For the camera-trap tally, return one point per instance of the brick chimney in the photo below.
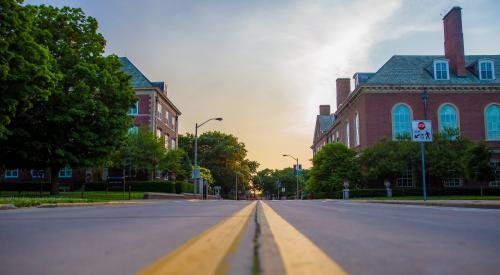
(343, 89)
(454, 40)
(324, 110)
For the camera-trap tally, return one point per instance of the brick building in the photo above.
(153, 109)
(464, 93)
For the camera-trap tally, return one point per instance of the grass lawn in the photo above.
(434, 198)
(27, 199)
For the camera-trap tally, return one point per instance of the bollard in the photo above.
(387, 184)
(345, 193)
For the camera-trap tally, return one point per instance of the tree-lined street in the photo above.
(361, 238)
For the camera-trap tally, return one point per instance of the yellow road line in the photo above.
(205, 253)
(299, 254)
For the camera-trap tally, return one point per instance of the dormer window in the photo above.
(441, 70)
(486, 71)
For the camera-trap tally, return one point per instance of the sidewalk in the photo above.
(489, 204)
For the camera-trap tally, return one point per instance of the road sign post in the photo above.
(422, 132)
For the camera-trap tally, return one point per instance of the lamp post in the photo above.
(425, 98)
(296, 174)
(196, 173)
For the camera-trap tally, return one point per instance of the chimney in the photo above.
(454, 41)
(324, 110)
(343, 89)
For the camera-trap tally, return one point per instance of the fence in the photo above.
(406, 192)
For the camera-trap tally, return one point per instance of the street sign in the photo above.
(297, 172)
(421, 130)
(195, 174)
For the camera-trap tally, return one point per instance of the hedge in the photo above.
(136, 186)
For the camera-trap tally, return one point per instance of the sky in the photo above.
(266, 66)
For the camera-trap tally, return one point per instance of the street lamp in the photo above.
(196, 171)
(296, 174)
(425, 98)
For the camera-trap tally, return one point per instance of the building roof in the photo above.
(325, 122)
(417, 69)
(138, 79)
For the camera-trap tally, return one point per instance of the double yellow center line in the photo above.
(205, 253)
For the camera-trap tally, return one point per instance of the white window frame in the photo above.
(347, 141)
(492, 69)
(457, 113)
(11, 173)
(496, 166)
(167, 121)
(394, 136)
(65, 172)
(133, 130)
(159, 111)
(172, 143)
(356, 129)
(452, 182)
(337, 136)
(130, 112)
(37, 174)
(441, 61)
(405, 181)
(487, 138)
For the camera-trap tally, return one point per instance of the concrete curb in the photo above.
(470, 204)
(7, 206)
(81, 204)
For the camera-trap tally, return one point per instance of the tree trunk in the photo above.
(54, 180)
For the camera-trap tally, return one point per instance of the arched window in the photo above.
(448, 118)
(401, 121)
(356, 129)
(493, 122)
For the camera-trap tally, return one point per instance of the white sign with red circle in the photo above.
(421, 130)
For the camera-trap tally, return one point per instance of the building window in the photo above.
(486, 70)
(172, 144)
(66, 172)
(134, 110)
(158, 133)
(37, 174)
(452, 182)
(401, 122)
(356, 129)
(133, 130)
(174, 122)
(405, 179)
(347, 141)
(167, 138)
(159, 112)
(448, 118)
(493, 122)
(167, 113)
(496, 172)
(11, 173)
(337, 137)
(441, 71)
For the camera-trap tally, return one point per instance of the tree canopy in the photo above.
(224, 156)
(27, 72)
(85, 115)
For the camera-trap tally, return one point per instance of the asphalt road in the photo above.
(361, 238)
(398, 239)
(101, 239)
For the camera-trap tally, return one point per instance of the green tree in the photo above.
(146, 152)
(224, 156)
(26, 67)
(386, 159)
(175, 164)
(333, 164)
(85, 117)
